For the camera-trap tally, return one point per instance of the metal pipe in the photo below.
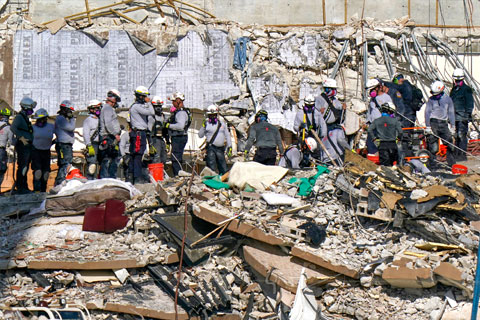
(365, 70)
(340, 59)
(345, 11)
(324, 13)
(409, 9)
(386, 56)
(436, 12)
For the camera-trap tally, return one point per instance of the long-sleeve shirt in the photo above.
(90, 125)
(21, 127)
(385, 128)
(124, 144)
(64, 129)
(327, 114)
(337, 137)
(264, 135)
(222, 137)
(291, 158)
(6, 135)
(396, 96)
(462, 97)
(139, 114)
(43, 136)
(156, 124)
(179, 123)
(108, 121)
(373, 112)
(440, 109)
(321, 126)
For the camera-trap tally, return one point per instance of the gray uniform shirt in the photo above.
(90, 125)
(294, 156)
(64, 129)
(43, 136)
(441, 109)
(337, 136)
(320, 103)
(264, 135)
(373, 112)
(124, 144)
(223, 134)
(319, 122)
(108, 121)
(6, 135)
(139, 114)
(178, 128)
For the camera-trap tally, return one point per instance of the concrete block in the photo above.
(403, 277)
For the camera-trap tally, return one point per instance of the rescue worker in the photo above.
(109, 136)
(409, 110)
(159, 134)
(177, 126)
(266, 138)
(124, 147)
(91, 137)
(140, 111)
(462, 97)
(64, 131)
(387, 130)
(23, 132)
(217, 136)
(328, 104)
(294, 156)
(41, 154)
(378, 97)
(6, 140)
(440, 120)
(335, 143)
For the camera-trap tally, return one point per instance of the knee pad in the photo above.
(46, 175)
(37, 175)
(92, 168)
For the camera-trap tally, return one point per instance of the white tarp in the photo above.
(254, 174)
(75, 186)
(305, 306)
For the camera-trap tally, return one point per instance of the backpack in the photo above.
(189, 118)
(417, 98)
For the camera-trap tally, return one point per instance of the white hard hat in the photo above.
(27, 103)
(458, 74)
(178, 95)
(157, 101)
(114, 93)
(389, 105)
(212, 109)
(311, 144)
(141, 90)
(437, 87)
(94, 103)
(310, 99)
(372, 83)
(329, 83)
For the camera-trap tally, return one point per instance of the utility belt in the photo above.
(106, 142)
(138, 130)
(267, 149)
(64, 143)
(438, 120)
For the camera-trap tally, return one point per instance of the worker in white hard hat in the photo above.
(386, 131)
(218, 140)
(108, 150)
(328, 104)
(335, 143)
(462, 97)
(309, 119)
(440, 119)
(91, 137)
(298, 156)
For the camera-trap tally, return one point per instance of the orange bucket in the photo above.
(156, 170)
(459, 169)
(373, 158)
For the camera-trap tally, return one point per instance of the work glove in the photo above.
(167, 147)
(10, 151)
(428, 130)
(354, 151)
(453, 131)
(310, 127)
(116, 147)
(167, 125)
(152, 150)
(229, 152)
(91, 150)
(245, 156)
(204, 123)
(303, 125)
(23, 140)
(376, 142)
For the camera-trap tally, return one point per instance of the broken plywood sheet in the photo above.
(449, 275)
(438, 191)
(315, 257)
(215, 216)
(391, 198)
(360, 162)
(282, 269)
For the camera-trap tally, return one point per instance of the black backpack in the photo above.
(417, 98)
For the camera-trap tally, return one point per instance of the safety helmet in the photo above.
(389, 106)
(40, 113)
(329, 83)
(115, 94)
(142, 91)
(311, 144)
(437, 87)
(27, 103)
(178, 95)
(156, 101)
(261, 114)
(67, 104)
(372, 83)
(94, 104)
(309, 99)
(212, 109)
(458, 74)
(5, 112)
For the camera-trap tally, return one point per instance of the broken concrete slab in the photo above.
(215, 216)
(281, 268)
(449, 275)
(403, 277)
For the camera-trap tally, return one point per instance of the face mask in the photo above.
(459, 83)
(40, 123)
(158, 110)
(330, 92)
(373, 94)
(212, 119)
(173, 109)
(308, 108)
(97, 113)
(29, 112)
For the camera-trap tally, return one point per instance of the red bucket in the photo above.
(156, 170)
(373, 158)
(459, 169)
